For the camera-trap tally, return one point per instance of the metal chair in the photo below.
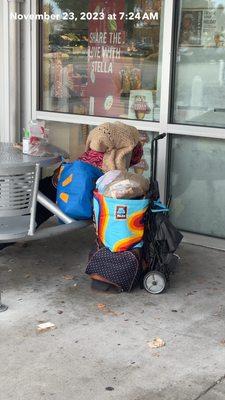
(18, 198)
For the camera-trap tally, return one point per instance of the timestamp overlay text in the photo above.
(87, 16)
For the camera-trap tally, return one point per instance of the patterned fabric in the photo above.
(121, 269)
(119, 222)
(93, 157)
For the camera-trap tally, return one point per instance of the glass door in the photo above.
(197, 185)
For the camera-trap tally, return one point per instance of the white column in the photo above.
(26, 66)
(4, 72)
(10, 46)
(14, 28)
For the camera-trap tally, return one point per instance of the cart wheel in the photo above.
(154, 282)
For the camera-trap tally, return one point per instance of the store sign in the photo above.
(103, 50)
(106, 38)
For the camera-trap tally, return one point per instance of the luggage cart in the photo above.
(161, 238)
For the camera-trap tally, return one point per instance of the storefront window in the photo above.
(100, 66)
(199, 97)
(197, 185)
(69, 137)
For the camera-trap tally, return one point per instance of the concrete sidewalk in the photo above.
(100, 349)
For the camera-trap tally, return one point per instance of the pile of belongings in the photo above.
(109, 146)
(120, 204)
(116, 143)
(100, 179)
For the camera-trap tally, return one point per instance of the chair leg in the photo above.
(2, 306)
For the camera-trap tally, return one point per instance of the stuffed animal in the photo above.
(117, 141)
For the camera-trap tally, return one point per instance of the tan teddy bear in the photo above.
(117, 141)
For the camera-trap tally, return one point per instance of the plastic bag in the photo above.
(127, 185)
(35, 141)
(106, 179)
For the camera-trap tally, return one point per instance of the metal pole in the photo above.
(42, 199)
(2, 306)
(165, 103)
(34, 201)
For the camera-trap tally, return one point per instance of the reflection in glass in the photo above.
(102, 67)
(144, 166)
(199, 97)
(197, 185)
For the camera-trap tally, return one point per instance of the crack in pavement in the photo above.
(210, 387)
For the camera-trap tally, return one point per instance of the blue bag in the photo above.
(75, 188)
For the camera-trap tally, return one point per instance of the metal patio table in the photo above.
(12, 156)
